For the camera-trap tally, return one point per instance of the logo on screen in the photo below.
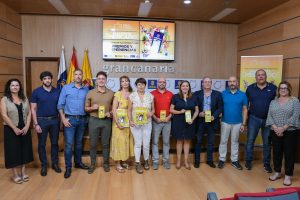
(152, 84)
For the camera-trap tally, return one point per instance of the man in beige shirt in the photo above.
(98, 104)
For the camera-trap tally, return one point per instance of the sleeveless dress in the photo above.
(121, 147)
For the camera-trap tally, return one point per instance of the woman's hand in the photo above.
(119, 125)
(25, 130)
(17, 131)
(131, 123)
(38, 129)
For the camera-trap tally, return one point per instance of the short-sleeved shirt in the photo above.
(260, 99)
(137, 102)
(233, 106)
(100, 98)
(72, 99)
(162, 101)
(46, 101)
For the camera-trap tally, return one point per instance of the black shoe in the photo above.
(196, 164)
(91, 168)
(211, 164)
(44, 171)
(81, 166)
(237, 165)
(221, 164)
(56, 168)
(68, 173)
(138, 168)
(106, 167)
(248, 165)
(268, 168)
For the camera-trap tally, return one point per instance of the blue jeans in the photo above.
(50, 126)
(74, 135)
(254, 124)
(157, 129)
(209, 129)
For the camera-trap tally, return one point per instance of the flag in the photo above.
(62, 71)
(73, 66)
(86, 69)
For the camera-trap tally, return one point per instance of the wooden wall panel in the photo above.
(10, 16)
(5, 78)
(10, 49)
(11, 66)
(291, 68)
(201, 48)
(10, 32)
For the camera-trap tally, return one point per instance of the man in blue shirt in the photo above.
(209, 102)
(233, 122)
(43, 103)
(71, 109)
(260, 95)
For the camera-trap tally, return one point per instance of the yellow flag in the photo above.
(86, 69)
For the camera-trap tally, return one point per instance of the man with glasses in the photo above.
(260, 94)
(161, 123)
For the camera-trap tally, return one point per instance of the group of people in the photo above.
(185, 115)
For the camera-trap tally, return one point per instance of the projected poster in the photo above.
(138, 40)
(120, 39)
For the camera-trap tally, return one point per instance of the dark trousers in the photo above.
(210, 130)
(284, 146)
(50, 126)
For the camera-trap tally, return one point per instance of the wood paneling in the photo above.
(10, 49)
(10, 32)
(202, 10)
(291, 68)
(10, 66)
(10, 16)
(201, 48)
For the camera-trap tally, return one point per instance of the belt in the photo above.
(48, 118)
(76, 116)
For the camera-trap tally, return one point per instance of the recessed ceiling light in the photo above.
(187, 1)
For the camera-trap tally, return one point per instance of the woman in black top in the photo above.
(16, 116)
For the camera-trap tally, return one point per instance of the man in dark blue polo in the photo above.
(210, 107)
(259, 94)
(71, 109)
(45, 120)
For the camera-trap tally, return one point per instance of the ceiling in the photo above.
(200, 10)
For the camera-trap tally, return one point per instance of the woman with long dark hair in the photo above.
(183, 106)
(121, 147)
(16, 116)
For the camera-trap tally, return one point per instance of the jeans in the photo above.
(284, 146)
(234, 131)
(142, 136)
(50, 126)
(165, 129)
(74, 135)
(97, 126)
(254, 124)
(209, 128)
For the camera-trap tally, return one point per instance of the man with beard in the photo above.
(161, 122)
(234, 120)
(45, 120)
(71, 109)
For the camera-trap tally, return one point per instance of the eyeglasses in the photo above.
(162, 81)
(283, 88)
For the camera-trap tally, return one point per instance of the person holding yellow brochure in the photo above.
(121, 147)
(140, 112)
(185, 110)
(98, 104)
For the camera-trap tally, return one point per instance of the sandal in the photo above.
(120, 169)
(125, 165)
(287, 181)
(187, 166)
(25, 177)
(17, 180)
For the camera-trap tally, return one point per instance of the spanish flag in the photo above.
(86, 69)
(73, 66)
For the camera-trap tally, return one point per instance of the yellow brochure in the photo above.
(207, 116)
(188, 116)
(140, 117)
(101, 112)
(163, 115)
(122, 117)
